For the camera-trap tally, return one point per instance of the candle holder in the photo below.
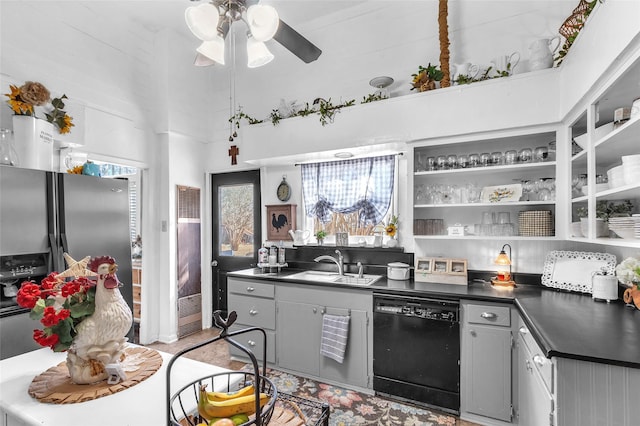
(504, 277)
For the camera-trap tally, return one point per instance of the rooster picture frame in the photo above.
(281, 218)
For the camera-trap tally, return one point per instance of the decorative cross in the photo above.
(233, 152)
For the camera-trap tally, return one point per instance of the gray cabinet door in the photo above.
(299, 331)
(354, 367)
(486, 360)
(535, 404)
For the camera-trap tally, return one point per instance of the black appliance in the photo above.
(45, 214)
(416, 350)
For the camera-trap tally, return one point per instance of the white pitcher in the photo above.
(541, 53)
(465, 68)
(299, 236)
(502, 62)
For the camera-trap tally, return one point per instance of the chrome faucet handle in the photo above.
(360, 270)
(339, 254)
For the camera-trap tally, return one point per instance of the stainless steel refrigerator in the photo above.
(45, 214)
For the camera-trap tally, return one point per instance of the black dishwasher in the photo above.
(416, 350)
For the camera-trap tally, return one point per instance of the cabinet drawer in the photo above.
(250, 288)
(254, 341)
(488, 315)
(254, 311)
(536, 358)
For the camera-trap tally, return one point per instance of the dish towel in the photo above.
(335, 333)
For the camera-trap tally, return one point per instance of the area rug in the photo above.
(349, 407)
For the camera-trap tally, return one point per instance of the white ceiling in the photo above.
(360, 40)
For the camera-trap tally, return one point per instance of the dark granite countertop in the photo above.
(566, 325)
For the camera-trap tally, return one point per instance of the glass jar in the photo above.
(511, 156)
(474, 160)
(525, 155)
(497, 158)
(8, 154)
(485, 159)
(541, 153)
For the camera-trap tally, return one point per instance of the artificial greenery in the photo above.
(320, 235)
(426, 77)
(572, 37)
(606, 210)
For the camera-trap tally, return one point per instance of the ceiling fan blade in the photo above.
(296, 43)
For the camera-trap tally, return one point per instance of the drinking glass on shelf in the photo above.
(497, 158)
(441, 162)
(431, 163)
(525, 155)
(488, 218)
(510, 156)
(452, 161)
(485, 159)
(473, 193)
(503, 218)
(420, 161)
(541, 153)
(474, 160)
(527, 189)
(463, 161)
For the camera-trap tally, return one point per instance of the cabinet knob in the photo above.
(539, 360)
(250, 289)
(473, 333)
(251, 343)
(488, 315)
(253, 312)
(523, 330)
(315, 310)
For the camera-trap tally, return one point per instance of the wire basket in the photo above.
(182, 406)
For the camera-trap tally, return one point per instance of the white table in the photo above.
(141, 405)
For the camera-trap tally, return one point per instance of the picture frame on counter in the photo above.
(441, 270)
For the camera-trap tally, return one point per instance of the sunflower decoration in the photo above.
(23, 100)
(391, 229)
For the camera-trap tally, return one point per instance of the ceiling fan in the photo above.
(211, 21)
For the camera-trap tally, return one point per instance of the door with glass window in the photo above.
(237, 234)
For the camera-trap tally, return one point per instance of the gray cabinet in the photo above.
(486, 342)
(299, 325)
(254, 303)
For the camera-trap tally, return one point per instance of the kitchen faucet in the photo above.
(339, 261)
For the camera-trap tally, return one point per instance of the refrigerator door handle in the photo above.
(54, 253)
(63, 242)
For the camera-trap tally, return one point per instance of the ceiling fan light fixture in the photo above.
(203, 61)
(257, 53)
(213, 49)
(202, 20)
(263, 21)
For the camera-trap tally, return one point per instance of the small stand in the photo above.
(277, 266)
(501, 283)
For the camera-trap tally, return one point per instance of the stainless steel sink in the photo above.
(333, 277)
(315, 276)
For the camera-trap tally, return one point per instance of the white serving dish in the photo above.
(626, 233)
(631, 173)
(398, 271)
(599, 133)
(599, 188)
(631, 159)
(615, 176)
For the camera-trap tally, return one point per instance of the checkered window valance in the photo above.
(364, 185)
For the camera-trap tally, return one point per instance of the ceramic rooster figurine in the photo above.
(101, 337)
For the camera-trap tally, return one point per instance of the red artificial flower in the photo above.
(50, 281)
(70, 288)
(28, 295)
(43, 340)
(50, 317)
